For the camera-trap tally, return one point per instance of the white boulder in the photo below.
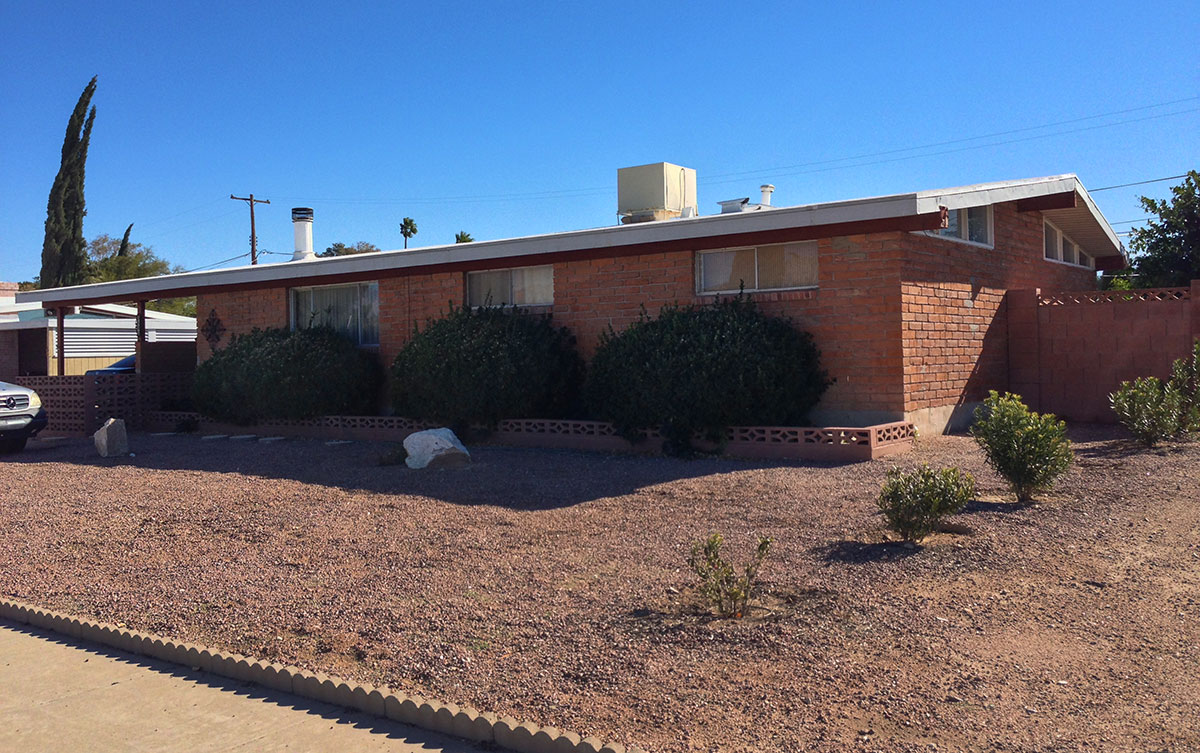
(111, 439)
(435, 448)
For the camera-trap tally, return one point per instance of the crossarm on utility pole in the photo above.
(253, 238)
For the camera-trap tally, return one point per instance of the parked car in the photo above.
(127, 365)
(21, 416)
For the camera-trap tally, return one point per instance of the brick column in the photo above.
(1024, 364)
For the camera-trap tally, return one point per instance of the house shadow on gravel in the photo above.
(514, 478)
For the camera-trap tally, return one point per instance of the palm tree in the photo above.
(462, 236)
(408, 228)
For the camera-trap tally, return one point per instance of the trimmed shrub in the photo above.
(1029, 450)
(1185, 379)
(915, 503)
(482, 365)
(280, 374)
(720, 586)
(702, 369)
(1152, 411)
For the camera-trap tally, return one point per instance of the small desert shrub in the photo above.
(1155, 411)
(274, 373)
(701, 369)
(915, 503)
(1029, 450)
(1185, 379)
(1151, 410)
(725, 590)
(482, 365)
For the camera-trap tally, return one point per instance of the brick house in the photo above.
(904, 294)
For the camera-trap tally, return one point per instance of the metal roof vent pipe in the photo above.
(302, 218)
(767, 189)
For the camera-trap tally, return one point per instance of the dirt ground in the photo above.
(552, 586)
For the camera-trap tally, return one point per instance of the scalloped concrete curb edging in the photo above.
(446, 718)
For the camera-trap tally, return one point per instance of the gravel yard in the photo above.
(552, 586)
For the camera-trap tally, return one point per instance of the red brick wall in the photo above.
(852, 315)
(240, 312)
(414, 300)
(955, 327)
(1066, 358)
(908, 324)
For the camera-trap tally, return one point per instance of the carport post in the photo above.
(61, 331)
(141, 336)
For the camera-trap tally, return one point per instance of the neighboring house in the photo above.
(904, 294)
(97, 335)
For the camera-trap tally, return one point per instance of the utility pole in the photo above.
(253, 238)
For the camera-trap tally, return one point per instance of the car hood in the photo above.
(14, 389)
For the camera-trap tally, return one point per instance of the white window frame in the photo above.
(699, 271)
(293, 315)
(1059, 248)
(510, 270)
(963, 230)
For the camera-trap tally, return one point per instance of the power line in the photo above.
(1138, 183)
(968, 138)
(774, 171)
(217, 263)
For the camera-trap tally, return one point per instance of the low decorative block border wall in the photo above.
(835, 444)
(446, 718)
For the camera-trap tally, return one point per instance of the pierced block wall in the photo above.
(1068, 351)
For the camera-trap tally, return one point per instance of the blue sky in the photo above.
(507, 119)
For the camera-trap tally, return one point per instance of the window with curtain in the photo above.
(973, 224)
(352, 310)
(777, 267)
(528, 286)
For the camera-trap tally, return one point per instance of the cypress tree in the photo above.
(64, 253)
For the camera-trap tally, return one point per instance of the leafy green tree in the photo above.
(462, 236)
(112, 259)
(1167, 250)
(64, 261)
(341, 249)
(408, 228)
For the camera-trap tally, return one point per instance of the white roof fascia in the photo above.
(997, 193)
(903, 205)
(711, 226)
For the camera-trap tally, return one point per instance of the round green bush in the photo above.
(701, 369)
(914, 503)
(279, 374)
(482, 365)
(1028, 450)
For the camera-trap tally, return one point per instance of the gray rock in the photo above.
(111, 439)
(435, 448)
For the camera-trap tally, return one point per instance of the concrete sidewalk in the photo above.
(58, 694)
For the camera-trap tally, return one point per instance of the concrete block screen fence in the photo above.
(1068, 351)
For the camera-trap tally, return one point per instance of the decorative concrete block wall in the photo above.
(1069, 351)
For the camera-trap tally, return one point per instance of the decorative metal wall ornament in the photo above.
(212, 329)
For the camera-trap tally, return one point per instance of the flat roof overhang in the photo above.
(652, 237)
(1061, 197)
